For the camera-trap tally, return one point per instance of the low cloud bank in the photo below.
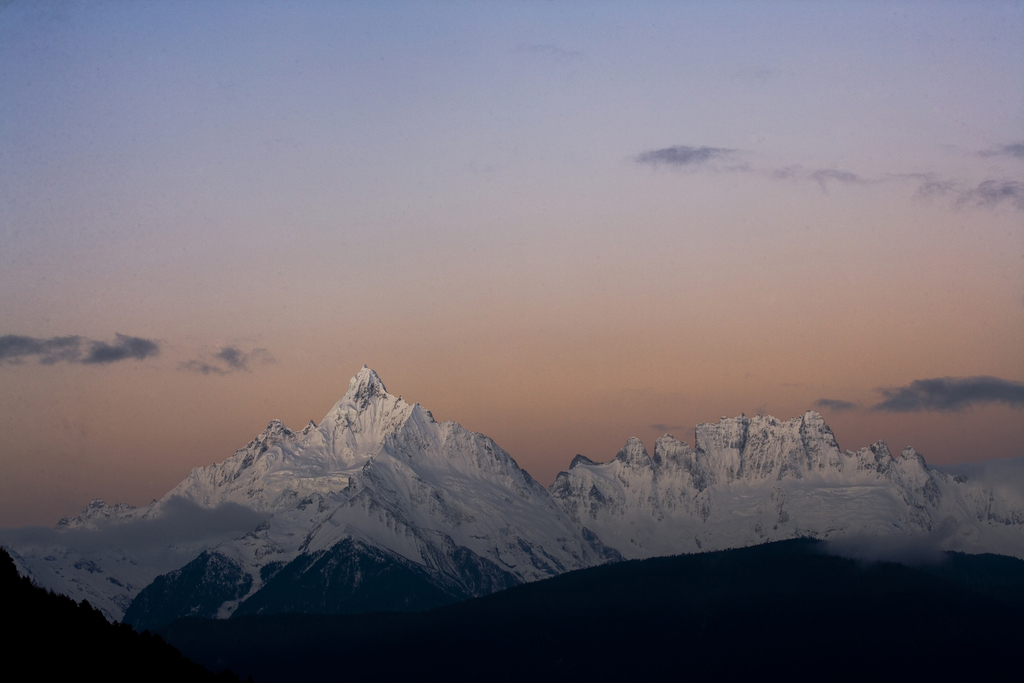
(180, 526)
(912, 551)
(1004, 477)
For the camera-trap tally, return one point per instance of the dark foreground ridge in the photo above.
(349, 578)
(51, 636)
(784, 608)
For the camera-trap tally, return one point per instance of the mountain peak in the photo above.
(364, 387)
(367, 409)
(634, 453)
(367, 383)
(581, 460)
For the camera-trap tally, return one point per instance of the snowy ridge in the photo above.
(280, 466)
(98, 514)
(752, 480)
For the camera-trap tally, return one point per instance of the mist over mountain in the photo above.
(381, 508)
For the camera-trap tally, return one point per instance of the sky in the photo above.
(559, 224)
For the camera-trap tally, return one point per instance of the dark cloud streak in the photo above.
(951, 394)
(235, 358)
(682, 155)
(1015, 150)
(14, 349)
(125, 348)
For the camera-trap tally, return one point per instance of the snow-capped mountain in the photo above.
(378, 490)
(752, 480)
(381, 507)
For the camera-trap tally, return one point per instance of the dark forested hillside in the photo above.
(783, 608)
(51, 636)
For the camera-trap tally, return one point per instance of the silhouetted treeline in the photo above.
(783, 608)
(51, 637)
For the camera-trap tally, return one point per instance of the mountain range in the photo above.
(380, 507)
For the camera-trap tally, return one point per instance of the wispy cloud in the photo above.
(683, 155)
(1014, 150)
(930, 186)
(665, 428)
(951, 394)
(16, 349)
(227, 360)
(202, 367)
(551, 50)
(993, 192)
(835, 405)
(823, 176)
(988, 193)
(704, 157)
